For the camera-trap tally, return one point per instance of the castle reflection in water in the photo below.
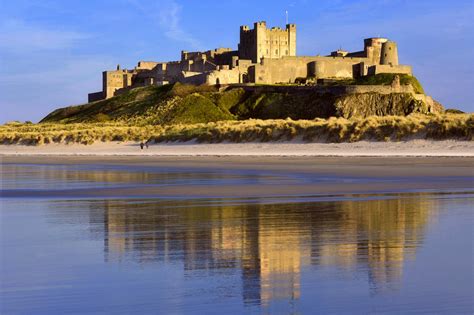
(269, 245)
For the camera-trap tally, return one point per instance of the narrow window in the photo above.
(276, 52)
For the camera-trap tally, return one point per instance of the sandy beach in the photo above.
(417, 165)
(364, 148)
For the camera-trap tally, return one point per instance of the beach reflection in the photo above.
(99, 176)
(270, 246)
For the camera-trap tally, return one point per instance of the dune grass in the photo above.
(388, 128)
(375, 128)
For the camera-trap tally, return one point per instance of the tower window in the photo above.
(276, 52)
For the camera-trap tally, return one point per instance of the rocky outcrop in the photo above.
(310, 104)
(375, 104)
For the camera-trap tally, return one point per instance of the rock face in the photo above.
(310, 104)
(191, 104)
(374, 104)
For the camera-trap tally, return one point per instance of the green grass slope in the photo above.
(189, 104)
(167, 104)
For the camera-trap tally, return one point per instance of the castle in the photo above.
(264, 56)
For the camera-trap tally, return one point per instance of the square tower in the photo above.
(262, 42)
(373, 48)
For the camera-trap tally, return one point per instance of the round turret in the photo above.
(389, 55)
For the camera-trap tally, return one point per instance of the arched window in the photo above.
(276, 51)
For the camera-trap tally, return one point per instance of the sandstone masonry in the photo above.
(264, 56)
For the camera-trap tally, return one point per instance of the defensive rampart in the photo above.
(323, 89)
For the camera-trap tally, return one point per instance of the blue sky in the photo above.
(52, 52)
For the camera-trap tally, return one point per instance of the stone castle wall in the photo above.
(284, 70)
(116, 80)
(96, 96)
(287, 69)
(146, 65)
(336, 90)
(400, 69)
(265, 56)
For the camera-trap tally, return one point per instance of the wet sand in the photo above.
(347, 175)
(235, 234)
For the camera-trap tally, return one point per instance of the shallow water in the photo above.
(405, 251)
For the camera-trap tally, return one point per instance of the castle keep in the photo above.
(264, 56)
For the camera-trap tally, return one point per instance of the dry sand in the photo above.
(363, 148)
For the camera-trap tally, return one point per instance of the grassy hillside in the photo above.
(152, 105)
(437, 127)
(188, 104)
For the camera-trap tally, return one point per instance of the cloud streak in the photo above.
(167, 14)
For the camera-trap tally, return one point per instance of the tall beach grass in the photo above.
(375, 128)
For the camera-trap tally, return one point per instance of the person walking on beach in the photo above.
(146, 144)
(141, 145)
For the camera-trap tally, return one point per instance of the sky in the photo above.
(52, 52)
